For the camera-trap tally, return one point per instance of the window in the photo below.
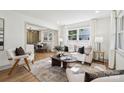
(72, 35)
(84, 34)
(45, 36)
(48, 36)
(120, 32)
(79, 34)
(121, 41)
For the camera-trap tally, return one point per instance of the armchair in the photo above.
(19, 60)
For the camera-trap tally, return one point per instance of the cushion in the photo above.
(19, 51)
(87, 50)
(71, 48)
(79, 56)
(81, 50)
(66, 48)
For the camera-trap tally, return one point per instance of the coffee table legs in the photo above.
(56, 62)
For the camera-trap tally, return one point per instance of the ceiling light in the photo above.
(97, 11)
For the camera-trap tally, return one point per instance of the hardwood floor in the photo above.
(39, 56)
(20, 74)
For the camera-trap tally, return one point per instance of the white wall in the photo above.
(103, 30)
(99, 27)
(15, 31)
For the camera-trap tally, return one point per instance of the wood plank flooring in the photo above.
(20, 74)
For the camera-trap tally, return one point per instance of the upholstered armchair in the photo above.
(22, 59)
(88, 56)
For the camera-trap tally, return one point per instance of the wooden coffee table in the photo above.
(62, 62)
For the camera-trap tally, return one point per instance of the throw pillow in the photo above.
(66, 48)
(81, 50)
(19, 51)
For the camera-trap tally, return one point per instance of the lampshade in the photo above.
(99, 39)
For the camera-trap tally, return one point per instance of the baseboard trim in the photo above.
(4, 67)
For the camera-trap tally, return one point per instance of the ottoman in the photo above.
(75, 76)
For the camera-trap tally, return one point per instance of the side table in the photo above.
(99, 55)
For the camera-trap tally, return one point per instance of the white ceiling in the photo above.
(64, 17)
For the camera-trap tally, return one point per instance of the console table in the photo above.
(99, 55)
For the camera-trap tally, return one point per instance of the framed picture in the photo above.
(1, 34)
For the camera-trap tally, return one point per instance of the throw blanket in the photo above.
(91, 76)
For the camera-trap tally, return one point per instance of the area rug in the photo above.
(43, 70)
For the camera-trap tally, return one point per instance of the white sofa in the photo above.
(87, 57)
(80, 77)
(116, 78)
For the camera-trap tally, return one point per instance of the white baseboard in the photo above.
(4, 67)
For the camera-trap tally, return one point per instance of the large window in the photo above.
(79, 34)
(84, 34)
(120, 32)
(72, 34)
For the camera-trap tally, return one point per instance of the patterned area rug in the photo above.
(46, 73)
(43, 70)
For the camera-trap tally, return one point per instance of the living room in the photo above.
(68, 48)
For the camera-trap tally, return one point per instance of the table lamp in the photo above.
(98, 41)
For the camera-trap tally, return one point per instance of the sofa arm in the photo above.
(89, 57)
(117, 78)
(102, 74)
